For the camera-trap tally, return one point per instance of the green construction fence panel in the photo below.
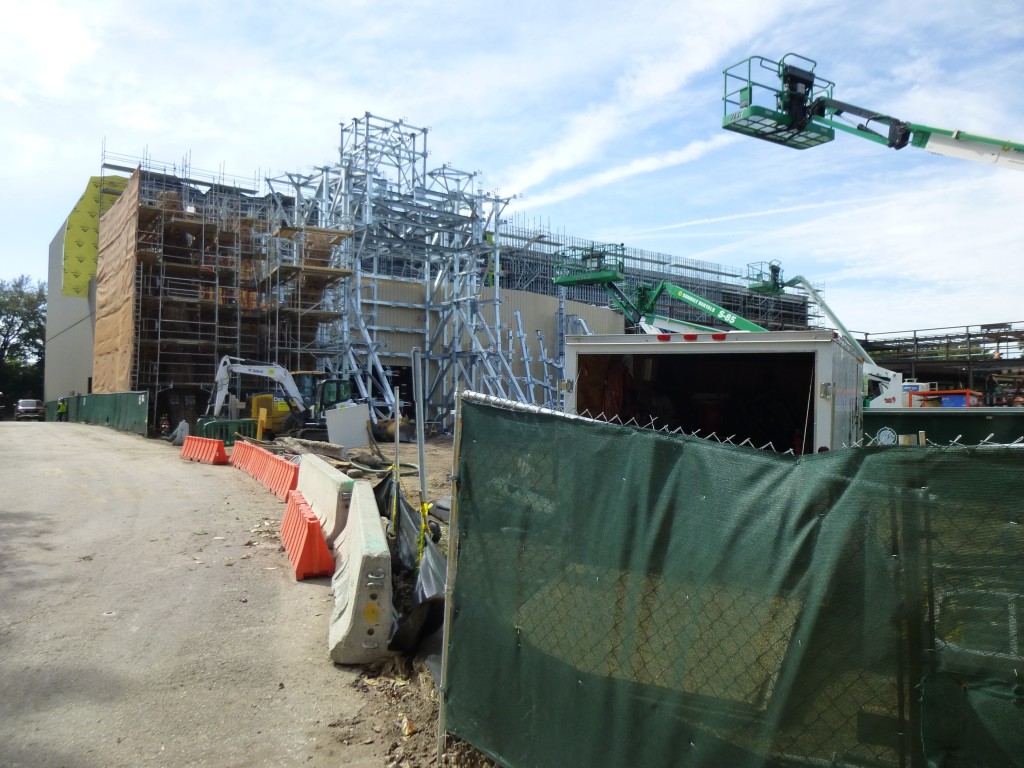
(126, 411)
(969, 426)
(226, 429)
(627, 597)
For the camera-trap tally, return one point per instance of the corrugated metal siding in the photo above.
(410, 298)
(398, 328)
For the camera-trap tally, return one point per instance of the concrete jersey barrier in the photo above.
(327, 491)
(362, 616)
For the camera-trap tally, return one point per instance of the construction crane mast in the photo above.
(796, 107)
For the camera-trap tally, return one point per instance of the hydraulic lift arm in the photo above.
(647, 298)
(603, 266)
(229, 365)
(645, 317)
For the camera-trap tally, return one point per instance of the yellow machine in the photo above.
(276, 408)
(293, 411)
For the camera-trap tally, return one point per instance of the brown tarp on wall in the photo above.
(115, 293)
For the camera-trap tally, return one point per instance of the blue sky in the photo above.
(604, 118)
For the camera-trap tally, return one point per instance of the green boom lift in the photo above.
(604, 265)
(796, 108)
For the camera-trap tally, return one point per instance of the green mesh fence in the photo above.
(625, 597)
(126, 411)
(226, 429)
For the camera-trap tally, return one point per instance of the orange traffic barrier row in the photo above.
(304, 541)
(205, 450)
(249, 458)
(242, 455)
(276, 473)
(287, 481)
(262, 467)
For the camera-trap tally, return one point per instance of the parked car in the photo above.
(29, 409)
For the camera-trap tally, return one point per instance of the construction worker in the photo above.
(62, 410)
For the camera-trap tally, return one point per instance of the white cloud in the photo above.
(681, 49)
(44, 43)
(635, 167)
(606, 115)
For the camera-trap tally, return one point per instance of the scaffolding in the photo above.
(532, 256)
(194, 265)
(985, 357)
(360, 266)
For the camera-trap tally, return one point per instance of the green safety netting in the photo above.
(625, 597)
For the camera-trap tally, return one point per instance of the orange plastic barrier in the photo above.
(205, 450)
(279, 475)
(276, 473)
(304, 541)
(242, 455)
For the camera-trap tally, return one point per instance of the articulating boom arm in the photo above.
(645, 318)
(648, 298)
(795, 101)
(229, 365)
(603, 265)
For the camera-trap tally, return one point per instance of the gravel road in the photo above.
(148, 615)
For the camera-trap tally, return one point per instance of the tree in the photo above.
(22, 337)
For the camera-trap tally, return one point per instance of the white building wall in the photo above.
(69, 332)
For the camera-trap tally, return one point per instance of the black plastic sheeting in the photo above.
(420, 628)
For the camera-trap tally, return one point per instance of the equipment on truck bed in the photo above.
(796, 108)
(603, 266)
(307, 414)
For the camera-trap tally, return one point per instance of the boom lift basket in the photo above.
(765, 277)
(767, 111)
(591, 265)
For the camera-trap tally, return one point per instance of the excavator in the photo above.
(796, 108)
(306, 417)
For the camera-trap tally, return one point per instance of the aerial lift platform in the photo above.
(786, 102)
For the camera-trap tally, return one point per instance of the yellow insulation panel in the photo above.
(81, 235)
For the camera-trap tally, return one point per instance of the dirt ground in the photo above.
(402, 700)
(148, 616)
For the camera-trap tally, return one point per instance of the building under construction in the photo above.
(348, 270)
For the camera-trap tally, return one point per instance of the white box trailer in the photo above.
(798, 390)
